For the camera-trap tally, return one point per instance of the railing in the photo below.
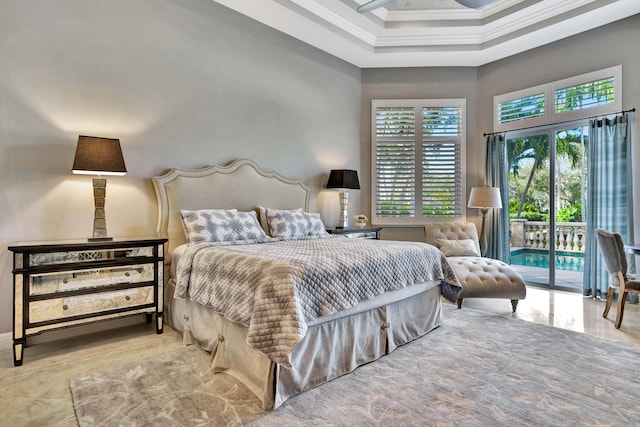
(535, 235)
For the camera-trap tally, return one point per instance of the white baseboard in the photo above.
(6, 341)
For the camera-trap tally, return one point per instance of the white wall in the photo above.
(182, 83)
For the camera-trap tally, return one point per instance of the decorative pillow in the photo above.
(219, 225)
(262, 218)
(463, 247)
(296, 223)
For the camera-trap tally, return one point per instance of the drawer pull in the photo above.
(128, 298)
(65, 307)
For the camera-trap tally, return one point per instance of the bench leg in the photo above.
(459, 303)
(514, 304)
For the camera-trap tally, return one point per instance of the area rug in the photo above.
(477, 369)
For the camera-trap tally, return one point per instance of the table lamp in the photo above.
(99, 156)
(343, 179)
(484, 198)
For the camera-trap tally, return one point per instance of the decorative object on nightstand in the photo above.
(484, 198)
(99, 156)
(361, 220)
(343, 179)
(68, 283)
(357, 233)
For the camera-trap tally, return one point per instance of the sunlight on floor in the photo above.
(567, 310)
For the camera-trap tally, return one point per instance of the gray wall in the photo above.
(182, 83)
(614, 44)
(413, 83)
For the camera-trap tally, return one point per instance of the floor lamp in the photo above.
(484, 198)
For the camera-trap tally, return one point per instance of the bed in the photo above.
(309, 342)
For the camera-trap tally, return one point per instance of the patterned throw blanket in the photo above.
(276, 287)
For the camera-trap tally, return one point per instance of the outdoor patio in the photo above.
(566, 280)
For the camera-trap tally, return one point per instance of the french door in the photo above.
(547, 185)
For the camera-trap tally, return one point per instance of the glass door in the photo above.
(571, 177)
(547, 205)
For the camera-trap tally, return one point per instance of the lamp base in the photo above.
(99, 218)
(483, 243)
(343, 222)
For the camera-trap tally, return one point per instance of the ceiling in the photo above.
(419, 33)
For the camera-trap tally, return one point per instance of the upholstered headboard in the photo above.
(451, 231)
(242, 185)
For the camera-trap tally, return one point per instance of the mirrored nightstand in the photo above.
(58, 284)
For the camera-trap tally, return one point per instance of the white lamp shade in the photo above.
(485, 197)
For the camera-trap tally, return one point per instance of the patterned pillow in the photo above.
(219, 225)
(462, 247)
(296, 223)
(264, 222)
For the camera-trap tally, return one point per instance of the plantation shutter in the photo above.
(574, 98)
(395, 162)
(417, 160)
(586, 95)
(528, 107)
(442, 162)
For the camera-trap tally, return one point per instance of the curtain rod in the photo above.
(632, 110)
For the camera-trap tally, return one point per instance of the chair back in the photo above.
(612, 249)
(451, 231)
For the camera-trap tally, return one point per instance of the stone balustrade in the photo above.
(535, 235)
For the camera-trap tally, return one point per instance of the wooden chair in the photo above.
(615, 259)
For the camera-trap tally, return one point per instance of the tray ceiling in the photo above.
(418, 33)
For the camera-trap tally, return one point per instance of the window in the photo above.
(591, 94)
(418, 160)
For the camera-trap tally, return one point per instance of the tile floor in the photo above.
(37, 393)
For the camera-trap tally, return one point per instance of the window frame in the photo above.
(418, 104)
(549, 89)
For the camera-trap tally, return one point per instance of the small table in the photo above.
(357, 233)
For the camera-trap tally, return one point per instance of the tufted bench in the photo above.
(480, 277)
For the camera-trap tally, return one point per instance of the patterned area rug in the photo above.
(477, 369)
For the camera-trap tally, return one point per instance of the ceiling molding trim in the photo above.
(336, 20)
(362, 39)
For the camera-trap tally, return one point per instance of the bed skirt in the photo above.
(334, 345)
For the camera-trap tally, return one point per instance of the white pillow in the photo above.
(220, 225)
(463, 247)
(294, 223)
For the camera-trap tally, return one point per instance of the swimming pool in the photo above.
(567, 261)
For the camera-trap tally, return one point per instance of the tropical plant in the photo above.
(536, 149)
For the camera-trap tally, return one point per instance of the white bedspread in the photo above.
(275, 287)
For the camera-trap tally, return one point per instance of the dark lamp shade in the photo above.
(98, 156)
(343, 179)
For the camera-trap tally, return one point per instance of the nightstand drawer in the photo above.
(86, 256)
(59, 308)
(357, 232)
(65, 281)
(362, 235)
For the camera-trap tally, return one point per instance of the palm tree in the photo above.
(537, 148)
